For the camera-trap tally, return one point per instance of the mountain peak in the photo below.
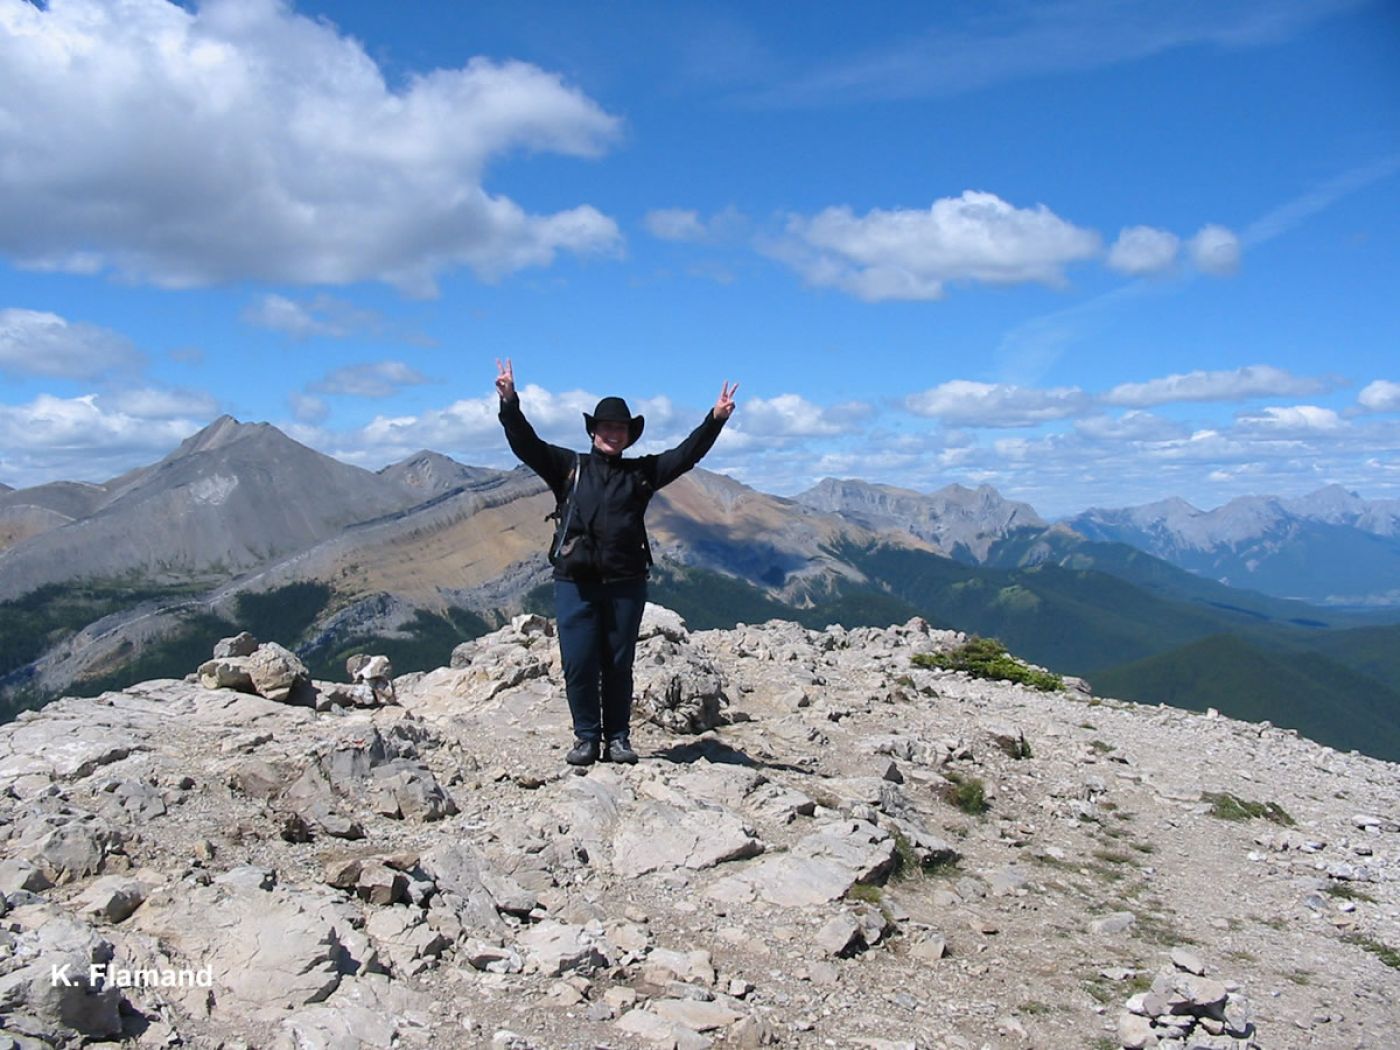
(221, 433)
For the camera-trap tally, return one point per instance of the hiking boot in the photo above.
(620, 750)
(584, 753)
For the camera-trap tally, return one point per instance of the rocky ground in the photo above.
(798, 860)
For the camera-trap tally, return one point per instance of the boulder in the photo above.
(276, 672)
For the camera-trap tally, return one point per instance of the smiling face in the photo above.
(610, 438)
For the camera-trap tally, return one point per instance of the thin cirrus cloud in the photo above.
(1235, 384)
(237, 140)
(912, 254)
(39, 343)
(1008, 41)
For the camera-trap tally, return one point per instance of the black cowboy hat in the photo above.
(615, 410)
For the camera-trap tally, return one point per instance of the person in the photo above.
(600, 552)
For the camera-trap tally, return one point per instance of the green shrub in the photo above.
(866, 892)
(968, 794)
(987, 658)
(1384, 952)
(1231, 807)
(907, 862)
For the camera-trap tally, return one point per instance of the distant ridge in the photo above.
(229, 498)
(955, 520)
(1330, 547)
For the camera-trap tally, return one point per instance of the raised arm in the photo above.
(671, 464)
(550, 462)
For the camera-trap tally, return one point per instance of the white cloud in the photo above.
(987, 47)
(322, 315)
(1237, 384)
(243, 141)
(1142, 251)
(376, 379)
(791, 415)
(911, 254)
(79, 439)
(160, 403)
(1299, 420)
(1134, 425)
(675, 224)
(1215, 251)
(961, 402)
(1380, 395)
(33, 342)
(683, 224)
(309, 409)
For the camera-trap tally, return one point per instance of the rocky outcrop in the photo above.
(824, 844)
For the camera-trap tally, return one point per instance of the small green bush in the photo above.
(1384, 952)
(866, 892)
(968, 794)
(907, 863)
(1231, 807)
(987, 658)
(1347, 892)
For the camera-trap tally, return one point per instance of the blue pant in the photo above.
(598, 625)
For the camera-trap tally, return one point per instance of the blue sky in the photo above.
(1088, 252)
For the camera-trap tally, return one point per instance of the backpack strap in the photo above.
(569, 508)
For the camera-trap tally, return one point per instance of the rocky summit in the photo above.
(825, 844)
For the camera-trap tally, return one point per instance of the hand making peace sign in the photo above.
(724, 404)
(505, 380)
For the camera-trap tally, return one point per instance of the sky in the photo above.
(1088, 252)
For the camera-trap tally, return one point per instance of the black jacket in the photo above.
(611, 501)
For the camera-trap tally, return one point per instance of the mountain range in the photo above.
(1330, 547)
(102, 584)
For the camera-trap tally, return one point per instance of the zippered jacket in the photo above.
(613, 492)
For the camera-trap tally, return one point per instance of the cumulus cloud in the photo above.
(1301, 420)
(1381, 395)
(1249, 381)
(81, 439)
(1215, 251)
(961, 402)
(791, 415)
(37, 343)
(375, 379)
(1142, 251)
(240, 140)
(912, 254)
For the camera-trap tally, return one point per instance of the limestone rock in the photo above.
(276, 672)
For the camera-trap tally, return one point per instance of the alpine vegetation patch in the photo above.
(988, 658)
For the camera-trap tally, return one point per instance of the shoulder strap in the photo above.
(569, 510)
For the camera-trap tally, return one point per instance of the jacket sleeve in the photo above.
(550, 462)
(667, 466)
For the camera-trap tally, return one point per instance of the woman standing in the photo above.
(600, 552)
